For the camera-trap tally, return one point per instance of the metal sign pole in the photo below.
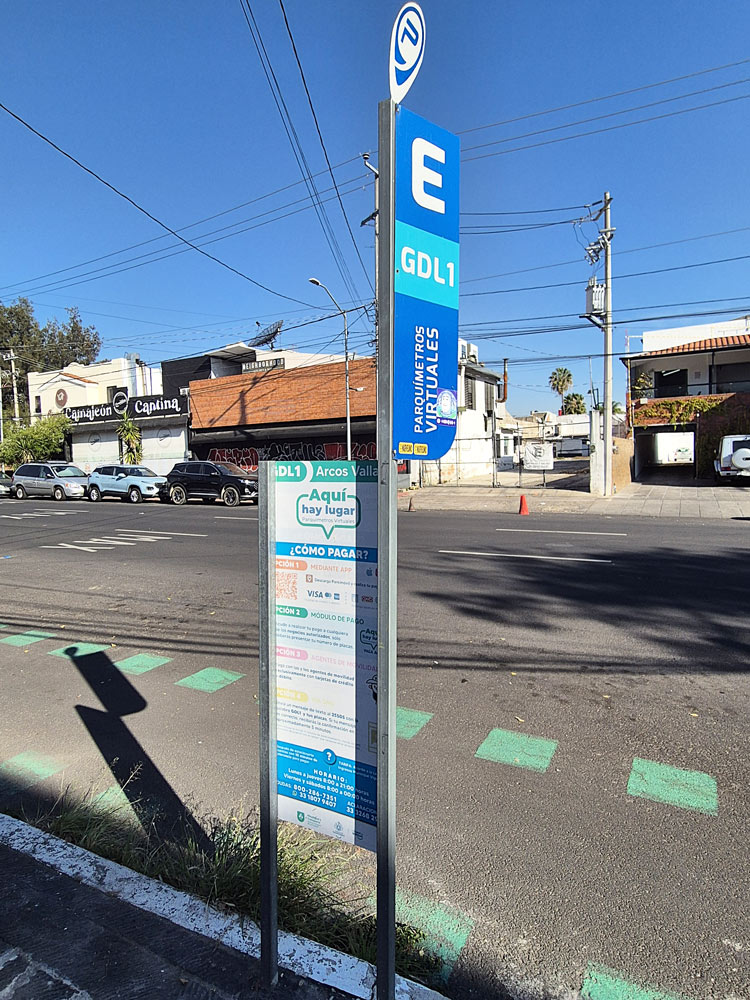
(386, 793)
(269, 808)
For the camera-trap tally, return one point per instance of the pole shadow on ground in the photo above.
(151, 797)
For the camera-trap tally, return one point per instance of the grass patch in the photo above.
(222, 867)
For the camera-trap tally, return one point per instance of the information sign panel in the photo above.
(325, 609)
(425, 346)
(538, 456)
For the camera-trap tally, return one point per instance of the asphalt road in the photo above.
(574, 704)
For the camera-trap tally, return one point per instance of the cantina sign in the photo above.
(137, 406)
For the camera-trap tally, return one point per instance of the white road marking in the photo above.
(516, 555)
(72, 545)
(110, 541)
(146, 531)
(40, 513)
(64, 513)
(553, 531)
(20, 517)
(136, 536)
(227, 517)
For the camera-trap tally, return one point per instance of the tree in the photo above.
(560, 381)
(574, 403)
(616, 407)
(41, 441)
(130, 435)
(64, 343)
(42, 348)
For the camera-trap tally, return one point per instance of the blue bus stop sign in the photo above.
(425, 344)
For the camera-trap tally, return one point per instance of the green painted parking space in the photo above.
(409, 721)
(517, 749)
(446, 928)
(601, 983)
(141, 663)
(210, 679)
(27, 769)
(80, 649)
(27, 638)
(673, 785)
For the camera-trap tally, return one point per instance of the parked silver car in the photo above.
(129, 482)
(49, 479)
(5, 485)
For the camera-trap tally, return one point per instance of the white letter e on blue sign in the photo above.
(421, 174)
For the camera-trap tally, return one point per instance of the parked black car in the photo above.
(208, 480)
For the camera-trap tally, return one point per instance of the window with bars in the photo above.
(471, 393)
(489, 397)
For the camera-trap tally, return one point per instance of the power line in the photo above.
(606, 97)
(323, 145)
(619, 277)
(485, 230)
(163, 254)
(742, 310)
(296, 145)
(467, 327)
(191, 225)
(318, 319)
(618, 253)
(148, 214)
(609, 114)
(609, 128)
(539, 211)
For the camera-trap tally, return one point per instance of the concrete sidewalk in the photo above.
(637, 499)
(75, 926)
(63, 940)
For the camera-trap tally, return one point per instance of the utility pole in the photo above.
(607, 347)
(10, 356)
(12, 360)
(599, 312)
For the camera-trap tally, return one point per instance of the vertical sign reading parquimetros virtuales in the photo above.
(326, 647)
(425, 348)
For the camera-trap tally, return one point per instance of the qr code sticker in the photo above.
(286, 586)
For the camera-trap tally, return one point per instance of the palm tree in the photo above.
(130, 434)
(561, 381)
(574, 403)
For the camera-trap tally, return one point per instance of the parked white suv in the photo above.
(129, 482)
(732, 457)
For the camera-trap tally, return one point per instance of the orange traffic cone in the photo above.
(524, 508)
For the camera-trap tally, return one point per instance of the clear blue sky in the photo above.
(168, 102)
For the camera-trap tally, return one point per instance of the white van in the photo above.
(732, 457)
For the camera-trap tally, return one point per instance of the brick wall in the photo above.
(313, 393)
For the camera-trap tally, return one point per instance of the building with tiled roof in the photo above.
(666, 378)
(297, 413)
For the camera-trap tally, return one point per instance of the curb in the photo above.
(305, 958)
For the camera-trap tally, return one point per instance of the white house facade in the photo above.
(96, 397)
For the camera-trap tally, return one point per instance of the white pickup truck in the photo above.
(732, 457)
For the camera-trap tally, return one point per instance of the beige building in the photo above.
(95, 397)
